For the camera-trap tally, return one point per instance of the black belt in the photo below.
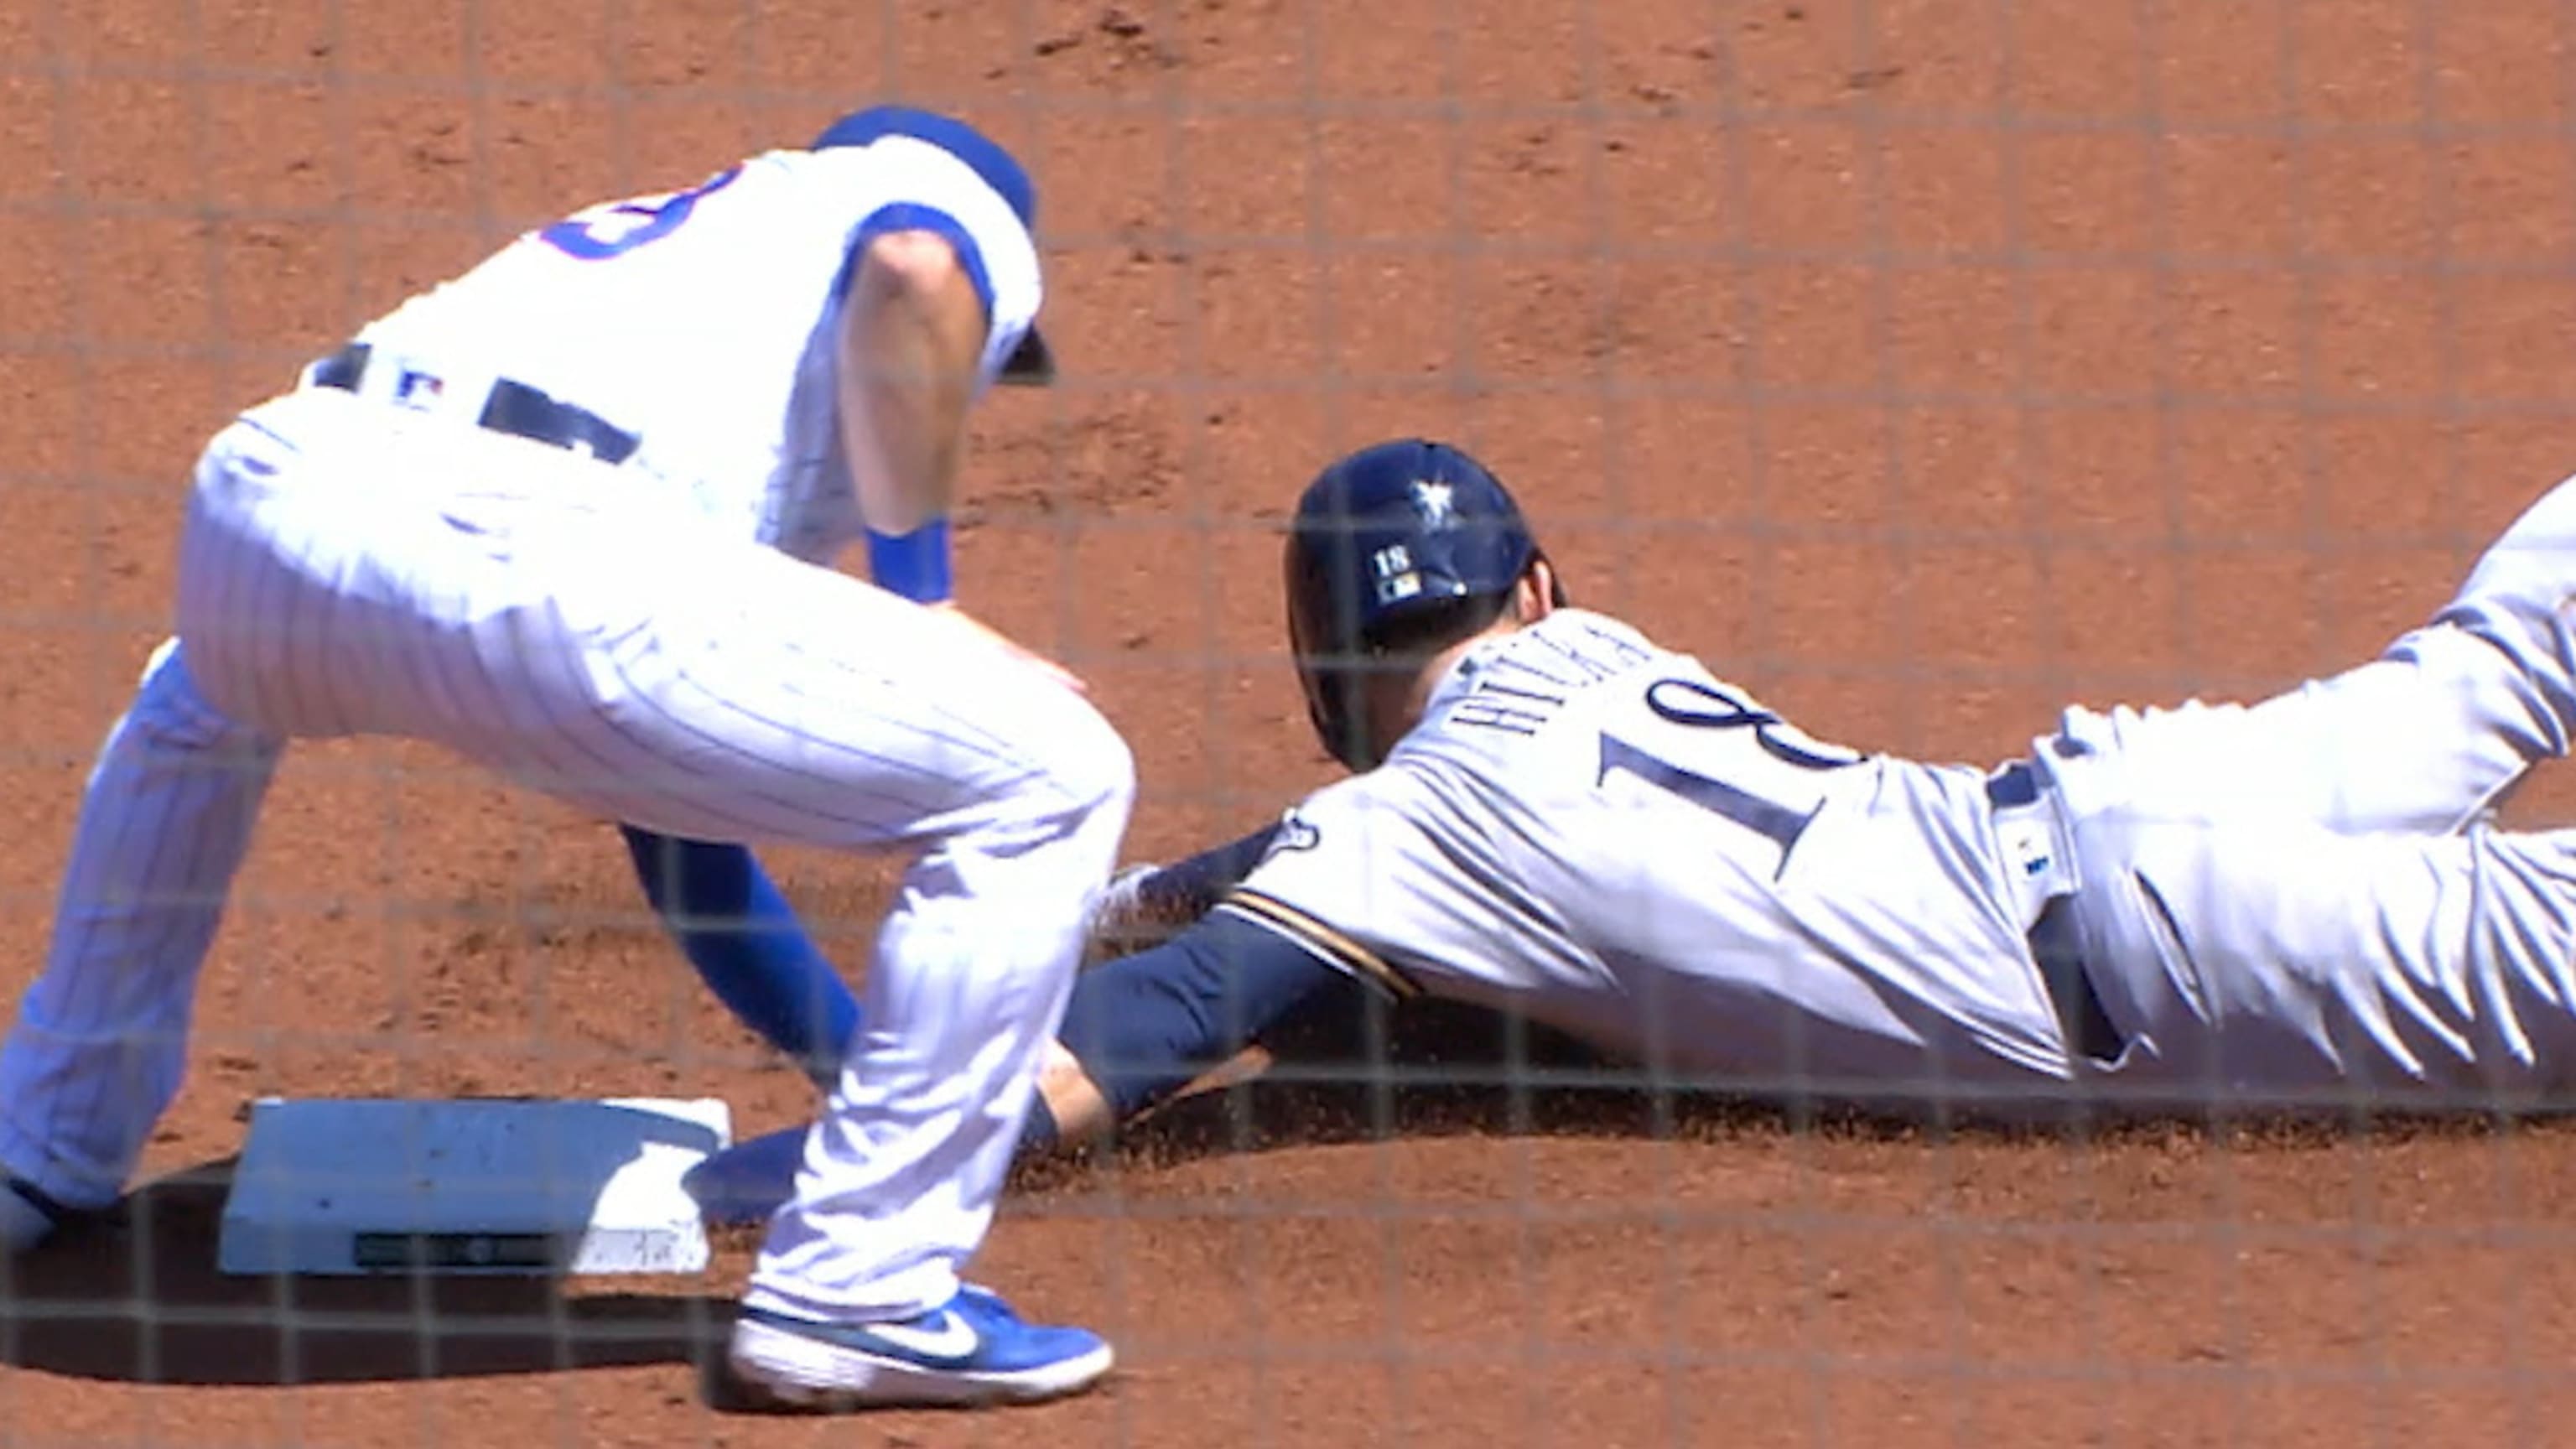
(2057, 944)
(511, 407)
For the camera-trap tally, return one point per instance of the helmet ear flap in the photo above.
(1324, 639)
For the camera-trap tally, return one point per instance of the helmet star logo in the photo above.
(1435, 501)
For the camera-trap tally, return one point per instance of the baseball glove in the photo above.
(1142, 907)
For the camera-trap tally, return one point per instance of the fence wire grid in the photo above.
(1926, 366)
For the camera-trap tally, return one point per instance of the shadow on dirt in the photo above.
(135, 1297)
(1430, 1069)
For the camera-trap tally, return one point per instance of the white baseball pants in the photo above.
(2305, 902)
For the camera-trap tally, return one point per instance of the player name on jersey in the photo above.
(1521, 686)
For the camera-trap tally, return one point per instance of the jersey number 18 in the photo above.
(1695, 704)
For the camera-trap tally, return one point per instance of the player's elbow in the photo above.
(919, 267)
(1092, 763)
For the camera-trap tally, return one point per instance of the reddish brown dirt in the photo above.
(1925, 363)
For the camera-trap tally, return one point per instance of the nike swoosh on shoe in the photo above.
(941, 1338)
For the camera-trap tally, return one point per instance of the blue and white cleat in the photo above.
(971, 1350)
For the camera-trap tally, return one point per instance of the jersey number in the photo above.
(612, 230)
(1691, 703)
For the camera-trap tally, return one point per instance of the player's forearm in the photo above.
(1142, 1027)
(912, 340)
(1070, 1105)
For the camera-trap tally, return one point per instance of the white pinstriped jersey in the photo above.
(1598, 833)
(704, 320)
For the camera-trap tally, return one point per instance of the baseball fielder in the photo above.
(2288, 905)
(569, 515)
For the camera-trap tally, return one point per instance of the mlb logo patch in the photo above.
(1402, 586)
(418, 389)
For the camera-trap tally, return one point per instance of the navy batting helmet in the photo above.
(1397, 550)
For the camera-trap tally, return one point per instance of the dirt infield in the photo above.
(1925, 364)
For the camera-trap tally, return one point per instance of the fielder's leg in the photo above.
(889, 727)
(100, 1040)
(2425, 738)
(963, 996)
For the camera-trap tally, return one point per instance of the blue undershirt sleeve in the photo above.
(1143, 1025)
(735, 927)
(1196, 884)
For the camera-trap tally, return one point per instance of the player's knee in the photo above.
(1075, 782)
(1091, 762)
(170, 708)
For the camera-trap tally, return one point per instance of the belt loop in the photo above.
(2014, 785)
(2030, 836)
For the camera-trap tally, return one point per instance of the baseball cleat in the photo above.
(27, 1217)
(971, 1350)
